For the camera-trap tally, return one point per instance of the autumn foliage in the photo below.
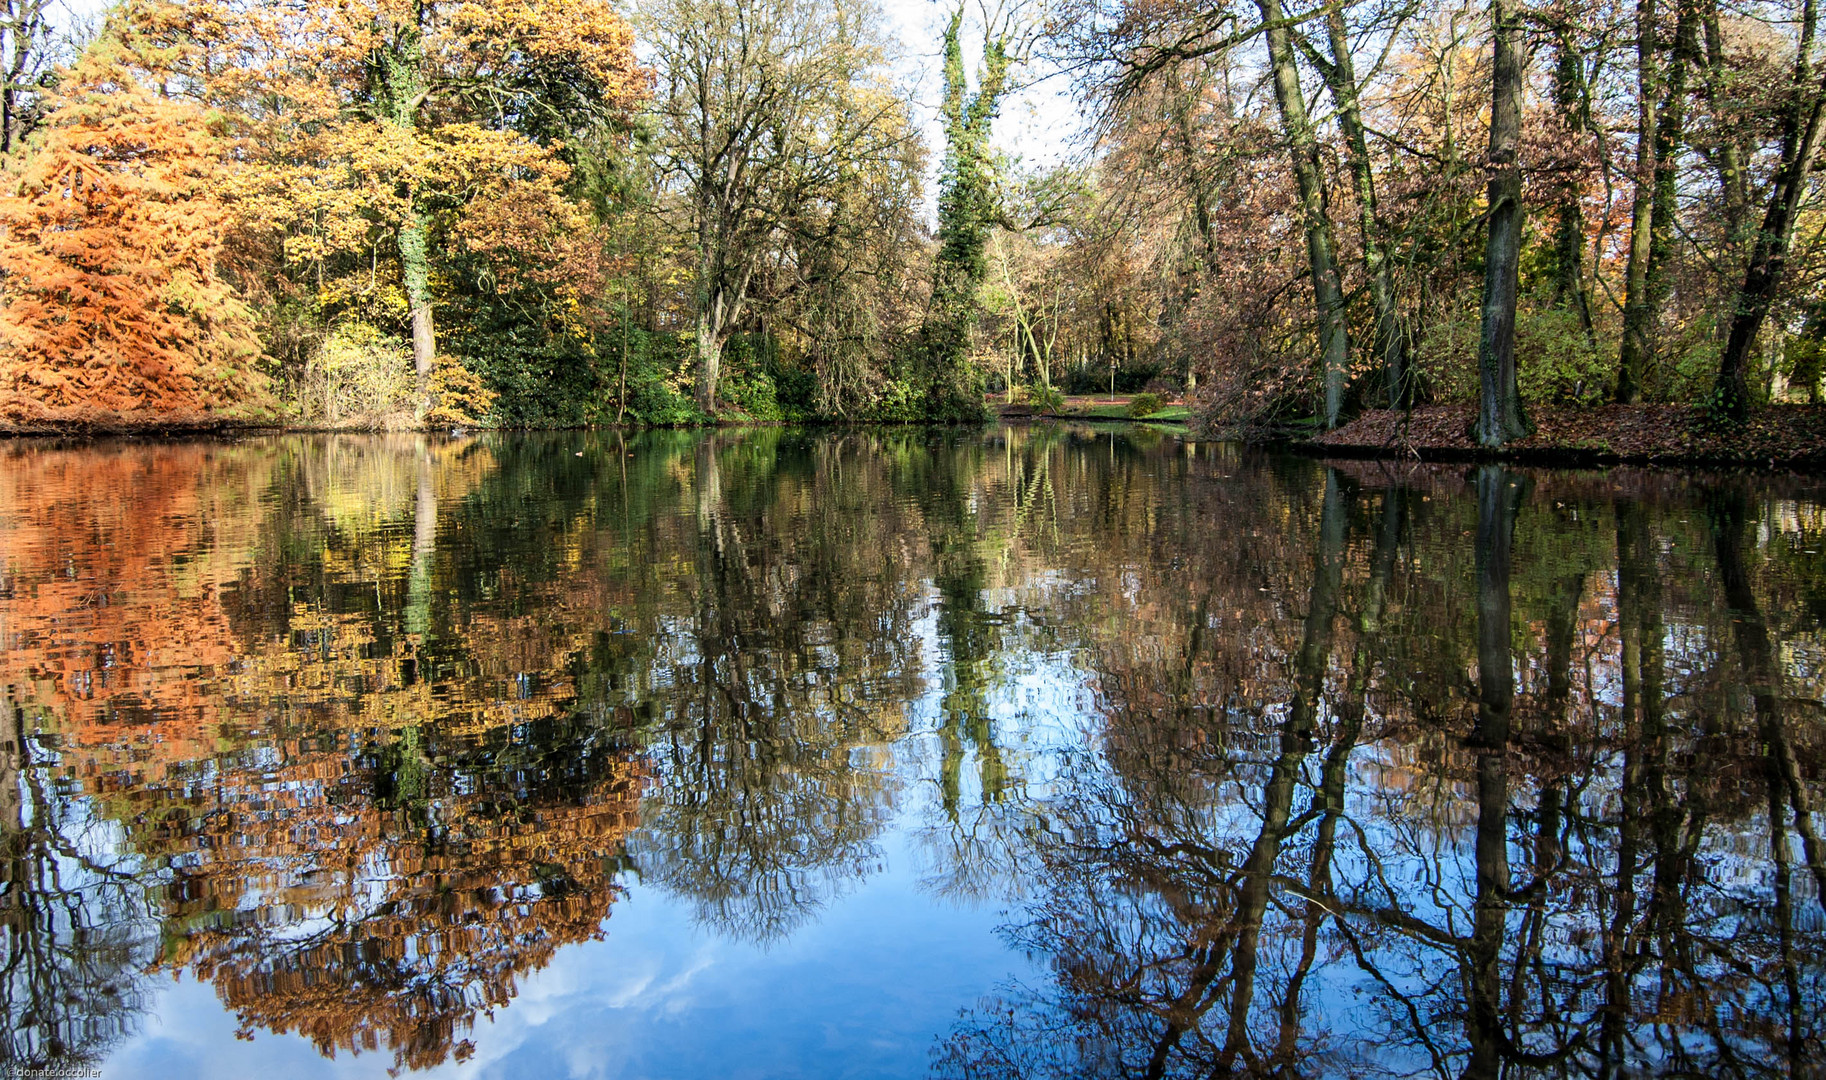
(109, 241)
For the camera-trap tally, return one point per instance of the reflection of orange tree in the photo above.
(369, 827)
(116, 562)
(387, 904)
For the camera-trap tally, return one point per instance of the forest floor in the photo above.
(1780, 436)
(1094, 407)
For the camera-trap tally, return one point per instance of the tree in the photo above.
(1315, 216)
(763, 108)
(414, 126)
(1801, 119)
(966, 213)
(109, 248)
(25, 33)
(1500, 418)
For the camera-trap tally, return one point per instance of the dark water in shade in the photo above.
(1016, 753)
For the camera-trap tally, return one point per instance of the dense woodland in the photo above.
(527, 212)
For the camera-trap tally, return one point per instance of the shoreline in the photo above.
(1791, 437)
(1788, 437)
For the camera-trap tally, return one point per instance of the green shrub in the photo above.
(1046, 398)
(1555, 360)
(1144, 405)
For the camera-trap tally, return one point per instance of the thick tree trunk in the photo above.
(1801, 125)
(709, 360)
(1638, 314)
(1391, 342)
(1500, 418)
(1327, 290)
(415, 267)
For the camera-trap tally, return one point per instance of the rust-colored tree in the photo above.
(112, 311)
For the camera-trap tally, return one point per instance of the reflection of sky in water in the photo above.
(862, 990)
(931, 752)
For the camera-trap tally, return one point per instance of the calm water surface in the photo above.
(1029, 752)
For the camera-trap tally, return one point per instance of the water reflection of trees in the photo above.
(1295, 769)
(1311, 849)
(789, 668)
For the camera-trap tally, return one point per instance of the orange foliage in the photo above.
(114, 311)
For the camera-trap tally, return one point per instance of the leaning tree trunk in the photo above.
(1327, 291)
(1391, 343)
(1500, 418)
(1801, 123)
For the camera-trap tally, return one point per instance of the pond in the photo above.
(1023, 751)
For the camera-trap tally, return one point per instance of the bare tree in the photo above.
(762, 108)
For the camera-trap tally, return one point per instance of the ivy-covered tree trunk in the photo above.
(965, 212)
(402, 92)
(1303, 148)
(1500, 418)
(709, 361)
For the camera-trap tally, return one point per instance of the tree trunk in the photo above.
(709, 360)
(1670, 137)
(1572, 96)
(1638, 313)
(415, 267)
(1728, 153)
(1500, 417)
(402, 77)
(1327, 291)
(1391, 343)
(1801, 123)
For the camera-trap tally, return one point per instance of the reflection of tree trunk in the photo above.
(1329, 800)
(1562, 630)
(1730, 518)
(12, 758)
(424, 546)
(1296, 744)
(1638, 604)
(1499, 496)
